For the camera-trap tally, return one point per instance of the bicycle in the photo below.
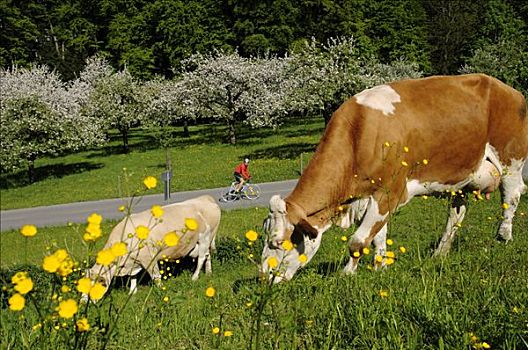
(248, 191)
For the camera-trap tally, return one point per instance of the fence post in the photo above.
(166, 177)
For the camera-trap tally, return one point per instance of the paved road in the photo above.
(58, 215)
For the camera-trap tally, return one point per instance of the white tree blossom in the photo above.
(233, 88)
(324, 76)
(40, 116)
(117, 101)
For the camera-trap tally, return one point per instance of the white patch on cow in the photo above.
(417, 188)
(381, 98)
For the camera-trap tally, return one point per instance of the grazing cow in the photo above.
(145, 254)
(392, 142)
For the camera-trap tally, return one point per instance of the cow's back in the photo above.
(446, 120)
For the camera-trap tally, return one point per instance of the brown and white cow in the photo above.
(145, 254)
(392, 142)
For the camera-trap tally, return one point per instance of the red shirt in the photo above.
(243, 170)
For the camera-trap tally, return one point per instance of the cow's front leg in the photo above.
(372, 223)
(457, 212)
(380, 246)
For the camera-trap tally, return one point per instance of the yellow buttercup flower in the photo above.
(82, 325)
(390, 242)
(505, 205)
(16, 302)
(51, 263)
(383, 293)
(68, 308)
(251, 235)
(95, 219)
(65, 289)
(390, 254)
(28, 230)
(142, 232)
(191, 224)
(119, 249)
(273, 262)
(303, 258)
(84, 285)
(24, 286)
(61, 254)
(402, 249)
(356, 255)
(150, 182)
(121, 208)
(171, 239)
(97, 291)
(344, 238)
(366, 251)
(216, 330)
(389, 261)
(105, 257)
(378, 259)
(66, 267)
(228, 333)
(210, 292)
(19, 277)
(94, 230)
(287, 245)
(156, 211)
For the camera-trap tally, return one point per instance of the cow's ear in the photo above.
(306, 229)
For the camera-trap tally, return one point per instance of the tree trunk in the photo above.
(186, 128)
(124, 134)
(231, 136)
(31, 169)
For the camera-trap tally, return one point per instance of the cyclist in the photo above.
(241, 174)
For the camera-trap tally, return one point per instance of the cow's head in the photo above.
(287, 223)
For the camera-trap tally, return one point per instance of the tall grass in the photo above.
(420, 302)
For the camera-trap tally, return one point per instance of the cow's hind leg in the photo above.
(512, 186)
(457, 211)
(212, 248)
(372, 223)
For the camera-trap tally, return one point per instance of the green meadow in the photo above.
(476, 297)
(419, 302)
(202, 160)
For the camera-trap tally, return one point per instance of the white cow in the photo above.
(145, 254)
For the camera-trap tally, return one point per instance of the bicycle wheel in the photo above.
(228, 194)
(251, 191)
